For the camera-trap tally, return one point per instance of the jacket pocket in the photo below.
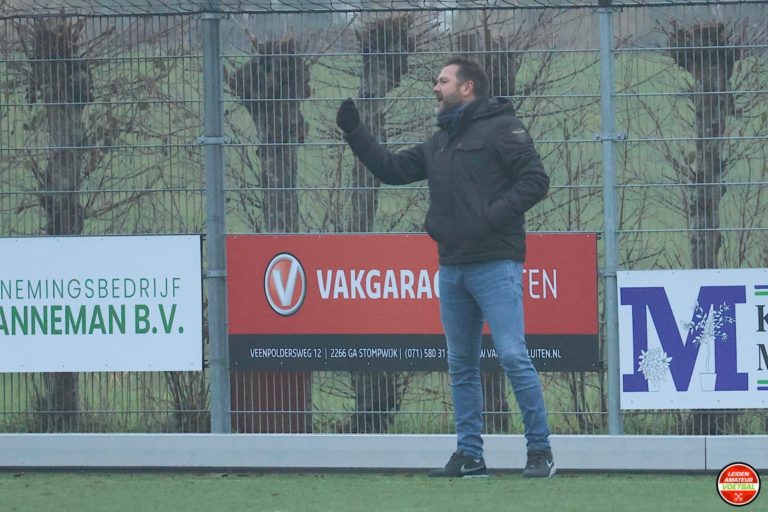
(470, 187)
(433, 225)
(470, 145)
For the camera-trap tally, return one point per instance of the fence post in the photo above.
(608, 137)
(213, 140)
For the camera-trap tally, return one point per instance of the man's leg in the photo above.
(463, 325)
(497, 288)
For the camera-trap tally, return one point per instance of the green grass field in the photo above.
(341, 492)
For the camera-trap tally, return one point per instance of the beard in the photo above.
(447, 103)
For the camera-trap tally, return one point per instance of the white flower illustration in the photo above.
(654, 364)
(707, 327)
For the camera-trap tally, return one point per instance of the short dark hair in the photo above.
(470, 69)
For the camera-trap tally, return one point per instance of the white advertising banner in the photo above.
(693, 339)
(112, 303)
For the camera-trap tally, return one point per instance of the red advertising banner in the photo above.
(305, 291)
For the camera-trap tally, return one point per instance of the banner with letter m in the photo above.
(693, 339)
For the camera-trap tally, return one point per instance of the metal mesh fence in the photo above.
(15, 8)
(101, 114)
(690, 101)
(99, 120)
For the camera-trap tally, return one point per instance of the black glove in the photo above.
(348, 118)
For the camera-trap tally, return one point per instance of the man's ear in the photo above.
(470, 87)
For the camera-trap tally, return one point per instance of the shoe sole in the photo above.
(468, 475)
(458, 476)
(552, 472)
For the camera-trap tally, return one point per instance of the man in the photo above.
(484, 174)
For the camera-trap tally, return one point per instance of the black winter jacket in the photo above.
(483, 173)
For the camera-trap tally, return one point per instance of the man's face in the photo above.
(449, 91)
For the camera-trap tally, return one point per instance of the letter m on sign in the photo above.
(653, 300)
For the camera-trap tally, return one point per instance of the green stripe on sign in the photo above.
(762, 382)
(761, 293)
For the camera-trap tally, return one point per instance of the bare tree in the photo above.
(69, 132)
(271, 86)
(706, 51)
(709, 52)
(715, 63)
(61, 80)
(385, 44)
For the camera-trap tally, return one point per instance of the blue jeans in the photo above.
(470, 294)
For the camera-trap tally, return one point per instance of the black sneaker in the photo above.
(461, 466)
(540, 464)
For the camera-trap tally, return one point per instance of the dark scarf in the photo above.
(450, 120)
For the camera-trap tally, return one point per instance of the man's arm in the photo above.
(392, 168)
(518, 156)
